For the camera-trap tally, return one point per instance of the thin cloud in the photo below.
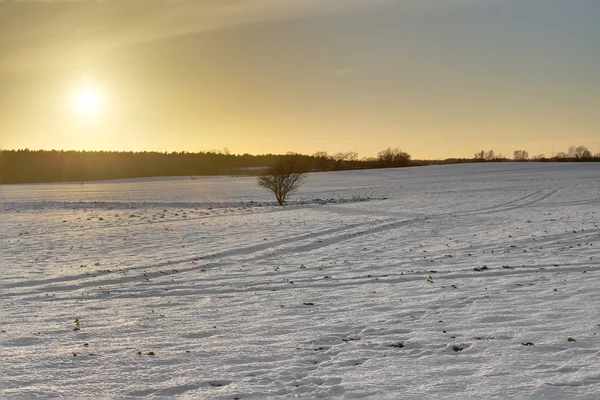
(46, 30)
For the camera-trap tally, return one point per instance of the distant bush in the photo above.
(520, 155)
(576, 153)
(393, 158)
(489, 155)
(283, 178)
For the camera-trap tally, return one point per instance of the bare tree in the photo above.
(521, 155)
(490, 155)
(582, 152)
(283, 178)
(393, 158)
(538, 157)
(321, 154)
(322, 161)
(343, 157)
(480, 155)
(342, 160)
(575, 153)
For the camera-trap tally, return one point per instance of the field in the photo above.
(464, 281)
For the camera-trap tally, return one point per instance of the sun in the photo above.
(88, 100)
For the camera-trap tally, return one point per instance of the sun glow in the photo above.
(88, 100)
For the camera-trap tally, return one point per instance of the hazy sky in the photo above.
(437, 78)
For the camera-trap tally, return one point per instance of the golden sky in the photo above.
(437, 78)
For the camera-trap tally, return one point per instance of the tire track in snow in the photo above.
(276, 247)
(245, 250)
(521, 202)
(340, 235)
(207, 213)
(574, 203)
(249, 283)
(386, 226)
(535, 198)
(316, 244)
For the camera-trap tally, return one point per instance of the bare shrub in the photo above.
(393, 158)
(283, 178)
(521, 155)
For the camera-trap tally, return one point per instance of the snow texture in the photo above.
(475, 281)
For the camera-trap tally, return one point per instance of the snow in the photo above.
(364, 286)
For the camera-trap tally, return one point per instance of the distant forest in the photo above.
(29, 166)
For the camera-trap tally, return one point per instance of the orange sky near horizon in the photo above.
(436, 78)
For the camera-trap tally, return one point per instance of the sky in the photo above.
(436, 78)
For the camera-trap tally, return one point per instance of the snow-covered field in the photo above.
(462, 281)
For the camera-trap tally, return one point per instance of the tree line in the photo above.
(574, 153)
(37, 166)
